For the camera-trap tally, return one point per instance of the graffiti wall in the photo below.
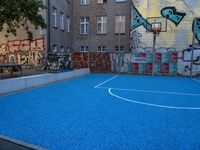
(24, 52)
(178, 24)
(98, 62)
(59, 61)
(131, 63)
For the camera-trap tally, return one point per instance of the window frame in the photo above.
(54, 16)
(120, 1)
(55, 48)
(85, 25)
(102, 48)
(68, 22)
(117, 49)
(62, 21)
(84, 2)
(101, 1)
(103, 24)
(83, 49)
(121, 29)
(62, 49)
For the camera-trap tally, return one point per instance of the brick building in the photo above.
(97, 24)
(59, 25)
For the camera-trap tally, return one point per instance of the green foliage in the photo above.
(17, 13)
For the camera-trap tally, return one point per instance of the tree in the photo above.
(18, 13)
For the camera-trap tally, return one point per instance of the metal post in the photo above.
(89, 45)
(119, 45)
(119, 37)
(192, 53)
(154, 46)
(48, 32)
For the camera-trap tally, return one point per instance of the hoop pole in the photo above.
(192, 54)
(119, 45)
(154, 46)
(89, 45)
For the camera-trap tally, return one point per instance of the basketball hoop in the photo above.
(156, 28)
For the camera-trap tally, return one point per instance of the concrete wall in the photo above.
(22, 83)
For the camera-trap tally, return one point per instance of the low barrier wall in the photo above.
(16, 84)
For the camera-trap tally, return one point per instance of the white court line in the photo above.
(196, 80)
(149, 91)
(106, 81)
(153, 105)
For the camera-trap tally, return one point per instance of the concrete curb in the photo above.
(21, 143)
(21, 83)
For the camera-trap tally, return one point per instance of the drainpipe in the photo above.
(48, 26)
(47, 33)
(192, 53)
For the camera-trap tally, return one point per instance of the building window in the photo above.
(101, 48)
(102, 1)
(83, 48)
(120, 0)
(120, 24)
(62, 49)
(68, 49)
(68, 24)
(55, 48)
(84, 25)
(54, 17)
(84, 2)
(101, 25)
(121, 48)
(62, 26)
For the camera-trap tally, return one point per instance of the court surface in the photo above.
(107, 112)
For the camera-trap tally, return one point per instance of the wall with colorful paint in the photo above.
(130, 63)
(177, 17)
(24, 52)
(19, 50)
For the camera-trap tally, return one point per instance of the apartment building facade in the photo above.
(59, 26)
(101, 25)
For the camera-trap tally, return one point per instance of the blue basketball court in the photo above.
(107, 112)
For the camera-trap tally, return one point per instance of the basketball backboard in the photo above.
(158, 20)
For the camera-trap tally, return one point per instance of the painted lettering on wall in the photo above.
(23, 52)
(173, 15)
(184, 61)
(57, 61)
(135, 63)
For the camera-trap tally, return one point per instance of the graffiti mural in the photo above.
(173, 15)
(132, 63)
(3, 52)
(180, 27)
(138, 20)
(80, 60)
(23, 52)
(196, 28)
(136, 39)
(98, 62)
(59, 61)
(184, 61)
